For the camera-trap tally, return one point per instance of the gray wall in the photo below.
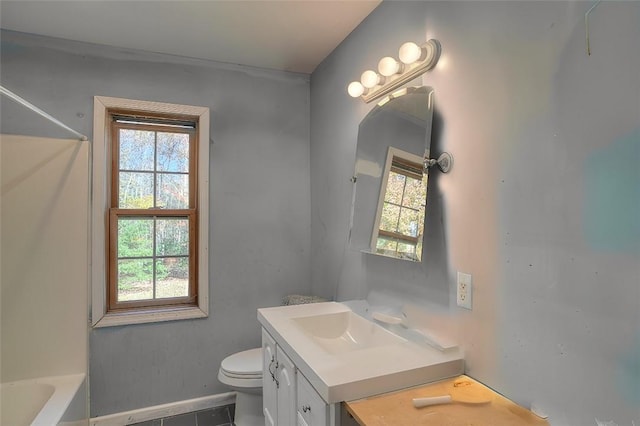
(260, 220)
(542, 206)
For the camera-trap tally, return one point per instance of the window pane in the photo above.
(406, 248)
(384, 244)
(389, 218)
(418, 251)
(173, 191)
(415, 194)
(135, 237)
(172, 237)
(135, 279)
(408, 224)
(136, 149)
(135, 190)
(395, 188)
(172, 274)
(421, 222)
(173, 152)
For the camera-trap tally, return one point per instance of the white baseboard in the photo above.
(164, 410)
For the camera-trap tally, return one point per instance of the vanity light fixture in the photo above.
(355, 89)
(388, 66)
(371, 79)
(414, 60)
(411, 52)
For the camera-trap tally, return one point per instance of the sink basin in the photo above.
(343, 332)
(346, 357)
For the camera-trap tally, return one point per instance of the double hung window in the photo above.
(150, 212)
(153, 212)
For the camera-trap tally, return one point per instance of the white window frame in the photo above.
(100, 176)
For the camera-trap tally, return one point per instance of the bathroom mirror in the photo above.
(390, 182)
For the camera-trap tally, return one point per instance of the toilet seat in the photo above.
(242, 369)
(241, 375)
(245, 364)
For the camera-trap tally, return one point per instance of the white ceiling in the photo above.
(293, 35)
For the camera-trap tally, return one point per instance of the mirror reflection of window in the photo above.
(399, 225)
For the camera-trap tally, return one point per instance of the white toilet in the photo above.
(242, 372)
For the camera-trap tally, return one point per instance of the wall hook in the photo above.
(586, 25)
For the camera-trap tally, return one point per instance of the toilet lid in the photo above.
(243, 364)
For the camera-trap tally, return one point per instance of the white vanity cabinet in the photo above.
(269, 388)
(288, 397)
(312, 410)
(339, 355)
(278, 384)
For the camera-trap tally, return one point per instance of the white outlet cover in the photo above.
(464, 290)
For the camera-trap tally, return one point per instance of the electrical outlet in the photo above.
(464, 290)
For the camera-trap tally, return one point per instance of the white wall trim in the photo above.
(99, 316)
(164, 410)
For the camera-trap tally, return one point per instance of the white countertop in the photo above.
(360, 373)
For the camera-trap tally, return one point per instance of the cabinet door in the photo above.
(301, 421)
(286, 389)
(311, 407)
(269, 388)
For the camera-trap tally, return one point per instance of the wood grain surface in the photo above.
(396, 408)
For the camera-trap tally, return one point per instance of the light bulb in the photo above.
(410, 52)
(389, 66)
(355, 89)
(370, 79)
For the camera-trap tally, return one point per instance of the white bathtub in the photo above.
(43, 401)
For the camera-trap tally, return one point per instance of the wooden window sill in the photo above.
(149, 316)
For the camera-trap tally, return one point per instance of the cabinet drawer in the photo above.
(311, 407)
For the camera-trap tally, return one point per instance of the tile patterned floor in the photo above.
(219, 416)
